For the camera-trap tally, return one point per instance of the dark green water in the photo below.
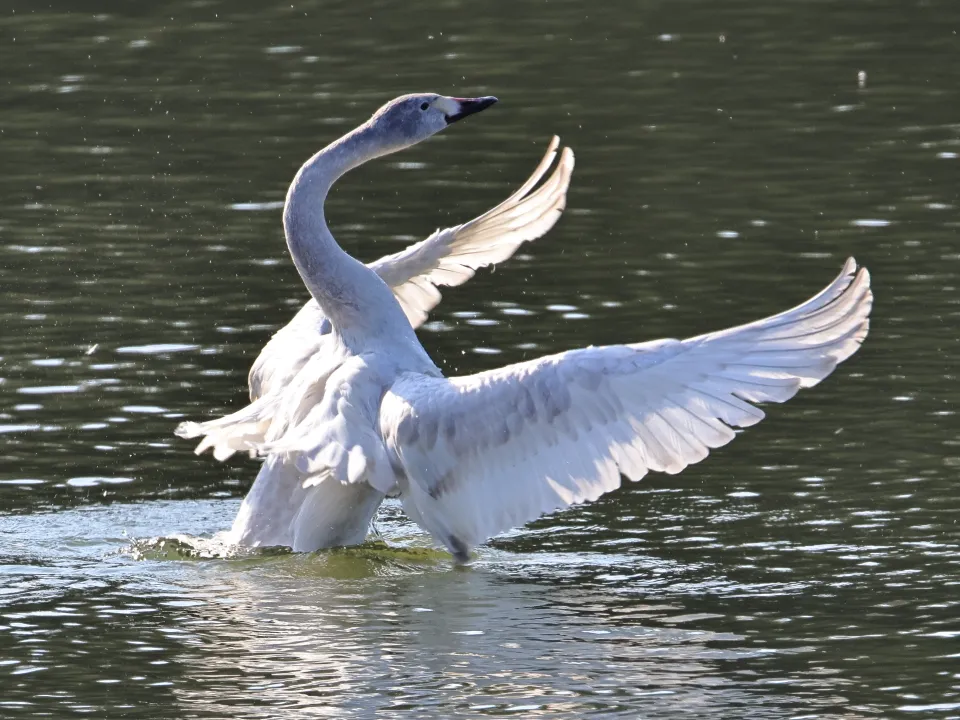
(727, 163)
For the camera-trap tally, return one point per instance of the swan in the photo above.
(472, 456)
(448, 257)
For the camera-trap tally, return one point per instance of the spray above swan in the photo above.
(476, 455)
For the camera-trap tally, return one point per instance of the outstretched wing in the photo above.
(488, 452)
(451, 256)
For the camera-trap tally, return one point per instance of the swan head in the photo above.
(410, 119)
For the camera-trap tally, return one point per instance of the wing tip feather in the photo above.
(187, 430)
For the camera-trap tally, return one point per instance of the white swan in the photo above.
(448, 257)
(473, 456)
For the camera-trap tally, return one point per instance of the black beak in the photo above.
(469, 106)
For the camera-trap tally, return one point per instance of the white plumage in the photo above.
(488, 452)
(473, 456)
(447, 258)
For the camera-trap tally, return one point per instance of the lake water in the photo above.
(730, 156)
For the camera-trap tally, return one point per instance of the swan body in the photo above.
(473, 456)
(448, 257)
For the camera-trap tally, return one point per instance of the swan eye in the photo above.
(425, 106)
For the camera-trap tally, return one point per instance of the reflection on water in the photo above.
(729, 159)
(347, 632)
(465, 641)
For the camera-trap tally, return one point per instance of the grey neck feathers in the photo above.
(351, 295)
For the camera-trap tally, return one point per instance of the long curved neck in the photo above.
(347, 291)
